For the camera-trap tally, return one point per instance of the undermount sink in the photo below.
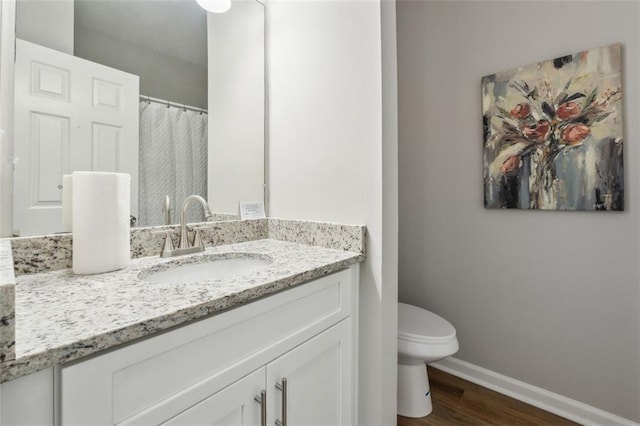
(205, 268)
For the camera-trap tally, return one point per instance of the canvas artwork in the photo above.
(553, 134)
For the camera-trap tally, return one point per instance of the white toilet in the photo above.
(423, 337)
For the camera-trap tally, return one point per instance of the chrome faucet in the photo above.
(184, 246)
(184, 240)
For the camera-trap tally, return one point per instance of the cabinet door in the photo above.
(234, 405)
(319, 381)
(28, 400)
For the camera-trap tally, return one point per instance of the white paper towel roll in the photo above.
(101, 227)
(67, 203)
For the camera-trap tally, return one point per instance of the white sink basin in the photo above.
(205, 268)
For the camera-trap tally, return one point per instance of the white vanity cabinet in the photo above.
(211, 371)
(304, 386)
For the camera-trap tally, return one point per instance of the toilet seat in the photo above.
(420, 326)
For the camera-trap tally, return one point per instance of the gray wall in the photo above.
(47, 23)
(549, 298)
(161, 76)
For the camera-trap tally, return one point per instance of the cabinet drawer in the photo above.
(176, 369)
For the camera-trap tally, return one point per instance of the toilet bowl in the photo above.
(423, 337)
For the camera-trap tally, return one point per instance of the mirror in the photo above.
(190, 86)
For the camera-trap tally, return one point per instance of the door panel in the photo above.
(106, 94)
(49, 145)
(106, 147)
(49, 82)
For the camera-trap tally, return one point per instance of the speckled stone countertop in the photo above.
(62, 317)
(7, 312)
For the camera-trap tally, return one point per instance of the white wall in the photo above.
(7, 55)
(326, 155)
(389, 301)
(47, 23)
(236, 106)
(548, 298)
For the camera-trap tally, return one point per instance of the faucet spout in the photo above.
(166, 210)
(184, 242)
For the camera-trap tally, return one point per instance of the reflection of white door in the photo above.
(70, 115)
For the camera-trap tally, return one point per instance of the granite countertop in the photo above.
(60, 317)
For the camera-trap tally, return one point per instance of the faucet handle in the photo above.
(167, 247)
(197, 239)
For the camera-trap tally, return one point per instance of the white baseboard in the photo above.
(532, 395)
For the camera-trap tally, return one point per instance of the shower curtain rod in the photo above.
(149, 99)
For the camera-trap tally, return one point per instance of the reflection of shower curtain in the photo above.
(173, 160)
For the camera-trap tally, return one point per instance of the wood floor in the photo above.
(459, 402)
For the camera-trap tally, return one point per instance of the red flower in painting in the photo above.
(574, 133)
(511, 164)
(568, 110)
(522, 110)
(537, 132)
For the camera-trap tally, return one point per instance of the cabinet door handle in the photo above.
(283, 388)
(262, 400)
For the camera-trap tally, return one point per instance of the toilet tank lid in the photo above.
(415, 322)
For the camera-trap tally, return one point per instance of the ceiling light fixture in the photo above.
(215, 6)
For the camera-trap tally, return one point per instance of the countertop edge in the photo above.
(7, 305)
(22, 366)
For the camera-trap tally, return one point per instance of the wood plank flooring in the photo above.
(459, 402)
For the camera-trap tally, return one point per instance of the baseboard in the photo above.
(538, 397)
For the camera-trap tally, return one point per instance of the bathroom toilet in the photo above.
(423, 337)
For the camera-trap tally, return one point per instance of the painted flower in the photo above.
(511, 164)
(537, 132)
(574, 133)
(568, 110)
(521, 110)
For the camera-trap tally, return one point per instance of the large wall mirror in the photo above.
(159, 89)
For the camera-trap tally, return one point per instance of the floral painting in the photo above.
(553, 134)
